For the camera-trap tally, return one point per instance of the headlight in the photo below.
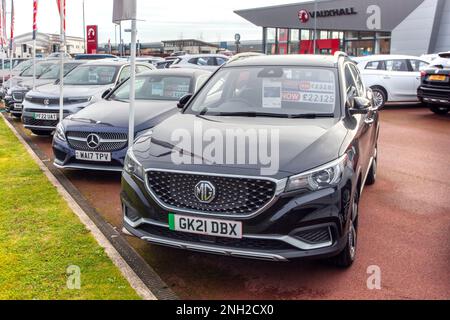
(60, 132)
(147, 132)
(79, 100)
(132, 166)
(327, 176)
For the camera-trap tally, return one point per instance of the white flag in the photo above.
(124, 10)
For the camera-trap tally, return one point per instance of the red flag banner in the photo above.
(35, 9)
(2, 40)
(4, 36)
(59, 10)
(12, 25)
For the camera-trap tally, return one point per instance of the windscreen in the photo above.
(52, 73)
(156, 87)
(270, 90)
(445, 62)
(92, 75)
(40, 69)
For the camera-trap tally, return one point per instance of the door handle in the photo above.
(387, 77)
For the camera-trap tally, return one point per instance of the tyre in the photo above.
(372, 176)
(347, 257)
(442, 111)
(379, 97)
(42, 133)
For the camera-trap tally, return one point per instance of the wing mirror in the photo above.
(184, 100)
(106, 93)
(358, 105)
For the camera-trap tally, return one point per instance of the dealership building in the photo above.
(358, 27)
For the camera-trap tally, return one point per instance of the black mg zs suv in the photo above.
(267, 161)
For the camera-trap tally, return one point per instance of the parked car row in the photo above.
(397, 78)
(197, 61)
(327, 124)
(435, 86)
(392, 78)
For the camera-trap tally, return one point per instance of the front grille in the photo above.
(315, 236)
(18, 96)
(55, 101)
(39, 123)
(245, 243)
(109, 141)
(234, 196)
(45, 111)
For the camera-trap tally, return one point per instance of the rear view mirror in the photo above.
(358, 105)
(184, 100)
(106, 93)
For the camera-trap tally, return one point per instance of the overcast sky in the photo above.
(164, 20)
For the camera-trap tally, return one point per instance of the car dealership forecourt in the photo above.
(269, 157)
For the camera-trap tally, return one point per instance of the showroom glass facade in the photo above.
(354, 43)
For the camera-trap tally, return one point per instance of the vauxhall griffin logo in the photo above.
(93, 141)
(205, 191)
(303, 15)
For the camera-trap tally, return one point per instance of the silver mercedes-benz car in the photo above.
(82, 87)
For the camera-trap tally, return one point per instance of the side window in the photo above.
(358, 80)
(350, 83)
(400, 65)
(418, 65)
(376, 65)
(141, 68)
(202, 61)
(124, 74)
(201, 81)
(220, 61)
(193, 61)
(216, 92)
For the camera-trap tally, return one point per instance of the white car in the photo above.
(208, 62)
(392, 78)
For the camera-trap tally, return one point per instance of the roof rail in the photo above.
(244, 55)
(339, 54)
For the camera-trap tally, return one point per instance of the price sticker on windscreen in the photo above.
(309, 92)
(272, 93)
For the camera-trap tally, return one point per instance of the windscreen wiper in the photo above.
(311, 115)
(277, 115)
(251, 114)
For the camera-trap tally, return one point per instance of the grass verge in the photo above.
(40, 238)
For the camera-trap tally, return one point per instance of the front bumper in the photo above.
(30, 109)
(434, 95)
(65, 159)
(271, 235)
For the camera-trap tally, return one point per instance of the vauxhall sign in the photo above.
(305, 15)
(339, 15)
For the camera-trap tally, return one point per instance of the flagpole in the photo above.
(132, 81)
(11, 45)
(61, 53)
(35, 8)
(84, 30)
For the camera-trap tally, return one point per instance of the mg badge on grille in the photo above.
(46, 102)
(205, 191)
(93, 141)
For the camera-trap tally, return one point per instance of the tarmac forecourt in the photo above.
(45, 250)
